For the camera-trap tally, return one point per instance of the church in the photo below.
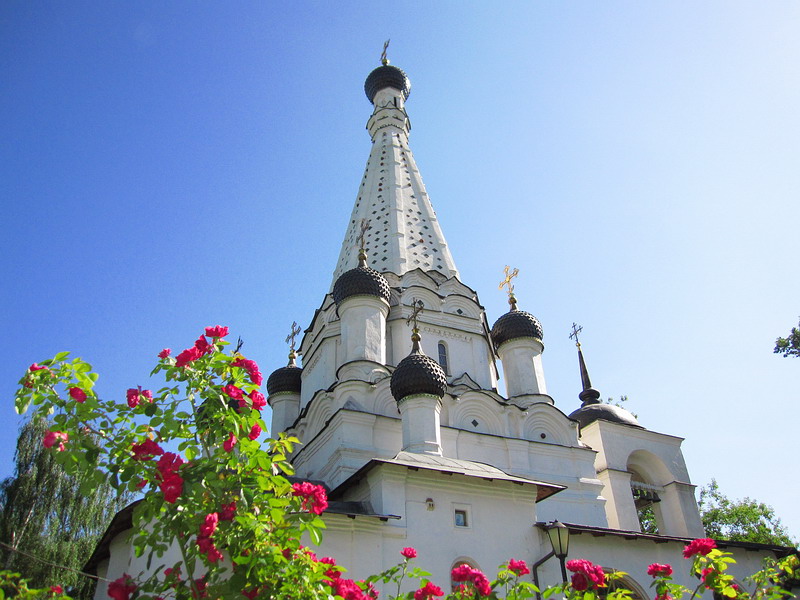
(401, 416)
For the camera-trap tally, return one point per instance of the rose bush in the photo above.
(219, 497)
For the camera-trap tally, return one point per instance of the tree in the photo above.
(44, 514)
(740, 520)
(789, 346)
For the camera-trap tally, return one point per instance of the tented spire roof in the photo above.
(404, 232)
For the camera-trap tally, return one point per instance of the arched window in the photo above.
(646, 499)
(443, 362)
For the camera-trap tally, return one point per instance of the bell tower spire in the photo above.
(404, 233)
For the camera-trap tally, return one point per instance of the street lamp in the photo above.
(559, 540)
(558, 534)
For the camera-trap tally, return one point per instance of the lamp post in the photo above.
(559, 540)
(558, 534)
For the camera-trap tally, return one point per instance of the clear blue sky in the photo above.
(167, 166)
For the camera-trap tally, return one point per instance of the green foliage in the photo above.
(13, 585)
(740, 520)
(789, 346)
(43, 513)
(647, 519)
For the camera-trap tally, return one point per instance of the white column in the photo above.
(522, 367)
(421, 430)
(363, 327)
(285, 410)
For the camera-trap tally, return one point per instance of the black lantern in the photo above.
(559, 538)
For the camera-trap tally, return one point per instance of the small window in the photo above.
(443, 358)
(461, 518)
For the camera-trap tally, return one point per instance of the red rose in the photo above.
(216, 332)
(77, 394)
(229, 443)
(518, 567)
(251, 594)
(700, 546)
(169, 463)
(593, 573)
(35, 367)
(315, 500)
(227, 512)
(135, 395)
(255, 431)
(409, 552)
(164, 353)
(209, 525)
(658, 570)
(258, 400)
(203, 346)
(56, 589)
(146, 450)
(251, 367)
(172, 487)
(122, 588)
(428, 591)
(580, 582)
(187, 356)
(233, 391)
(51, 438)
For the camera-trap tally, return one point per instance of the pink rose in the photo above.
(233, 391)
(203, 346)
(408, 553)
(428, 591)
(209, 525)
(518, 567)
(255, 431)
(700, 546)
(164, 353)
(258, 400)
(586, 572)
(122, 588)
(172, 487)
(51, 438)
(146, 450)
(659, 570)
(315, 500)
(229, 443)
(187, 356)
(227, 512)
(35, 367)
(77, 394)
(216, 332)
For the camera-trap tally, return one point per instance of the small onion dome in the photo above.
(361, 281)
(418, 374)
(603, 412)
(286, 379)
(387, 76)
(516, 324)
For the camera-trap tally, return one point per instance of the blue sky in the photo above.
(170, 166)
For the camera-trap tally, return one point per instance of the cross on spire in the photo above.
(512, 300)
(417, 306)
(576, 329)
(384, 59)
(364, 227)
(295, 330)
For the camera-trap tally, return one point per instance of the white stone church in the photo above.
(401, 418)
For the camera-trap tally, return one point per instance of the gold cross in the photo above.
(384, 60)
(507, 282)
(416, 308)
(365, 226)
(576, 329)
(290, 338)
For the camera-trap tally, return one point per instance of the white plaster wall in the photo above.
(363, 329)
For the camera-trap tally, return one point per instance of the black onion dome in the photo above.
(603, 412)
(387, 76)
(418, 374)
(285, 379)
(361, 281)
(516, 324)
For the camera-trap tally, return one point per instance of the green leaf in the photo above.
(60, 356)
